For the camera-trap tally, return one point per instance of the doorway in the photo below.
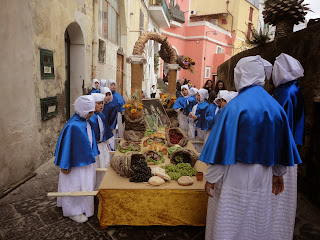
(67, 67)
(74, 65)
(120, 73)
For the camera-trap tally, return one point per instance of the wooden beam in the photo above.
(117, 139)
(101, 169)
(72, 194)
(112, 152)
(197, 142)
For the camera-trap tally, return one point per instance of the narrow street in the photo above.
(26, 213)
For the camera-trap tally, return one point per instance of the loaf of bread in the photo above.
(157, 170)
(156, 181)
(163, 176)
(185, 181)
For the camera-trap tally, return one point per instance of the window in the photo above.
(250, 14)
(46, 64)
(141, 22)
(207, 72)
(172, 3)
(220, 49)
(102, 51)
(109, 27)
(249, 30)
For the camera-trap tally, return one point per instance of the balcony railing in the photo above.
(176, 14)
(163, 4)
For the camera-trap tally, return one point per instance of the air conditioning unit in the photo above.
(193, 12)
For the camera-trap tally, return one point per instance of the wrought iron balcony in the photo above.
(160, 12)
(176, 14)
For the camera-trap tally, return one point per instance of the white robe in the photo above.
(183, 121)
(284, 207)
(240, 208)
(102, 161)
(79, 179)
(200, 136)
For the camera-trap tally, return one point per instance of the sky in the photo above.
(314, 6)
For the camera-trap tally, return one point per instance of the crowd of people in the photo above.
(247, 138)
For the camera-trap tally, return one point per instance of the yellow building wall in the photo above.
(239, 10)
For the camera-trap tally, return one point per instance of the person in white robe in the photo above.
(285, 73)
(242, 172)
(75, 155)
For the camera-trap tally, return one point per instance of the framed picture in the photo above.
(155, 115)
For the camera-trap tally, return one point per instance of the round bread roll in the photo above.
(157, 170)
(156, 181)
(185, 181)
(163, 175)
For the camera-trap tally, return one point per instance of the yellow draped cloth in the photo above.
(139, 204)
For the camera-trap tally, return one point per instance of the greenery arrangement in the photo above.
(175, 171)
(258, 37)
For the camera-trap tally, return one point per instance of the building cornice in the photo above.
(193, 38)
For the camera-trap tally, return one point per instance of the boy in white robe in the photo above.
(75, 155)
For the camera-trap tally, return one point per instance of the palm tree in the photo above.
(284, 14)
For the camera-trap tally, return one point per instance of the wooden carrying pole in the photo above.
(72, 194)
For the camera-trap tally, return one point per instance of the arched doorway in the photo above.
(74, 65)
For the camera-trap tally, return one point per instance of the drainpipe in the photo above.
(95, 23)
(230, 15)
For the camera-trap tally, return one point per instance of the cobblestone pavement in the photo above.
(26, 213)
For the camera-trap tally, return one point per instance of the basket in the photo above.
(187, 155)
(133, 136)
(137, 124)
(183, 141)
(122, 163)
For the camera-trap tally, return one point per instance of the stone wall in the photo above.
(303, 45)
(26, 140)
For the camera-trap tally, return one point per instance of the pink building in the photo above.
(206, 43)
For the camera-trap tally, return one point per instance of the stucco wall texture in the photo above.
(27, 141)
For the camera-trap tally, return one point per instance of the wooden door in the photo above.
(120, 74)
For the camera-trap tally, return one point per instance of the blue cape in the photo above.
(209, 117)
(95, 127)
(93, 90)
(290, 98)
(185, 103)
(252, 128)
(200, 113)
(110, 113)
(118, 101)
(73, 146)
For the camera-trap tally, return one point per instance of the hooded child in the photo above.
(181, 106)
(110, 112)
(103, 83)
(214, 109)
(75, 154)
(285, 74)
(95, 86)
(197, 121)
(117, 127)
(247, 152)
(99, 128)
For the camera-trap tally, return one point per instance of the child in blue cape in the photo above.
(182, 105)
(214, 109)
(117, 127)
(197, 122)
(110, 113)
(75, 155)
(95, 86)
(99, 128)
